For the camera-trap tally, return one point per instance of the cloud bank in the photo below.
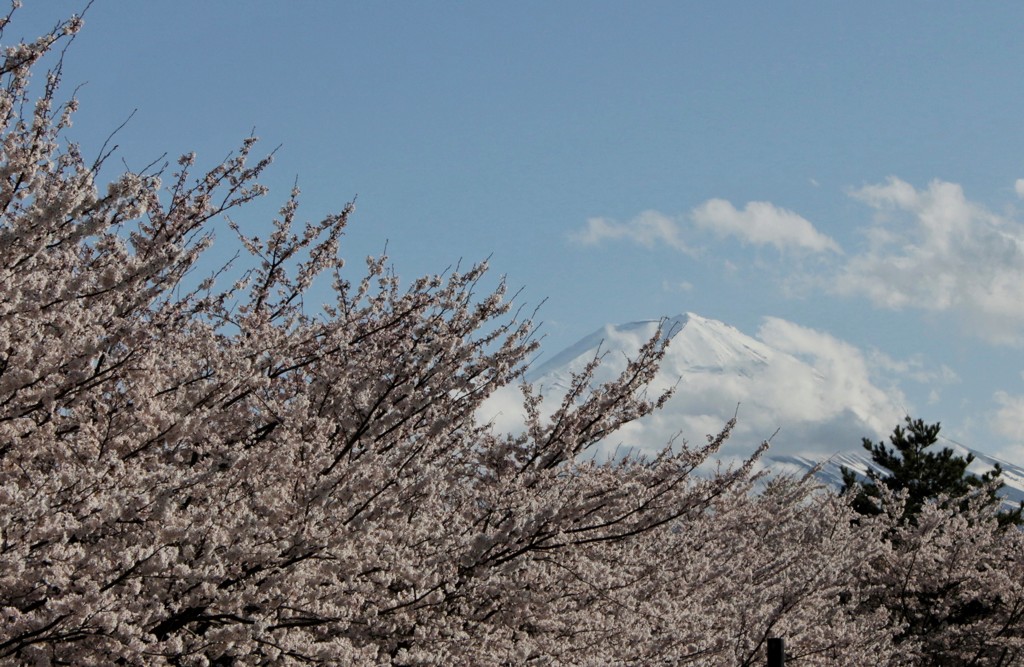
(759, 223)
(932, 249)
(928, 249)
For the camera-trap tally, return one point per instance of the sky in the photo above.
(843, 179)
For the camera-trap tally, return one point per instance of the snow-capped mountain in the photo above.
(814, 390)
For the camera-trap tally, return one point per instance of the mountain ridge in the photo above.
(718, 369)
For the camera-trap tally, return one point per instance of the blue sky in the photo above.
(850, 168)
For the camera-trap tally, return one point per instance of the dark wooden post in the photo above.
(776, 652)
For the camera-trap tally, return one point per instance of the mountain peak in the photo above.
(696, 344)
(819, 406)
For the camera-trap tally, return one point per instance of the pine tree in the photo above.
(924, 473)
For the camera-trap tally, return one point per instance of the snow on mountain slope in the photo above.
(697, 345)
(860, 462)
(821, 405)
(815, 390)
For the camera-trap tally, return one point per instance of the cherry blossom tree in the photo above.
(783, 562)
(194, 473)
(952, 579)
(216, 476)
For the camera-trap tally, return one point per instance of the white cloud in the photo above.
(844, 377)
(933, 249)
(503, 409)
(914, 368)
(762, 223)
(1008, 419)
(648, 229)
(1018, 187)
